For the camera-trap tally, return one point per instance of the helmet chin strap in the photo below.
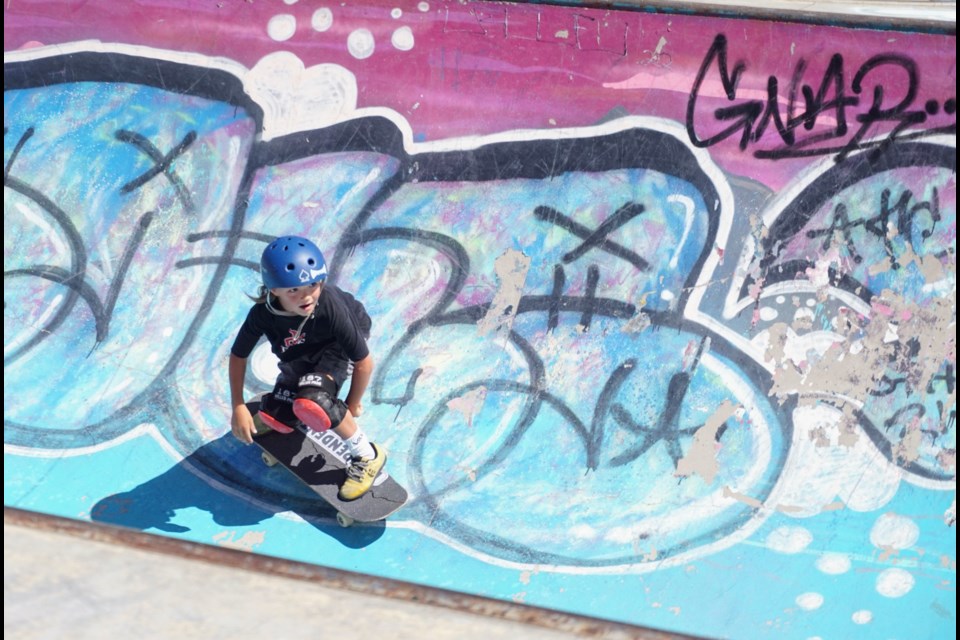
(283, 312)
(296, 336)
(274, 310)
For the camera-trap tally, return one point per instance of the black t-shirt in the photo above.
(338, 319)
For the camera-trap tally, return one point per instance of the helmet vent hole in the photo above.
(291, 266)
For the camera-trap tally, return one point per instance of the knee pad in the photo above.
(276, 412)
(317, 405)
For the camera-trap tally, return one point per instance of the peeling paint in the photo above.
(469, 404)
(247, 541)
(740, 497)
(511, 269)
(702, 456)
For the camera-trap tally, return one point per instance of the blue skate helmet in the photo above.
(290, 261)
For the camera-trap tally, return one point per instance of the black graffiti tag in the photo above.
(902, 213)
(667, 427)
(817, 120)
(75, 278)
(596, 238)
(162, 164)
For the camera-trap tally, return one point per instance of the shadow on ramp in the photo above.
(229, 482)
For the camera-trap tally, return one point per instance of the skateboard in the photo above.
(320, 461)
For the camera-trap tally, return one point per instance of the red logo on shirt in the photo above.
(294, 339)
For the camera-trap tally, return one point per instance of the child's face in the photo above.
(299, 300)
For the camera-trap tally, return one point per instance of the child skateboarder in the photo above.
(318, 332)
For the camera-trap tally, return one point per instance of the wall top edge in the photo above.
(875, 13)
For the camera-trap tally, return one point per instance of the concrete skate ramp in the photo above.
(664, 305)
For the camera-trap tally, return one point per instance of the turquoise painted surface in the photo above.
(169, 499)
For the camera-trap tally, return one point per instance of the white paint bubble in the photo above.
(803, 315)
(263, 364)
(396, 12)
(360, 44)
(809, 601)
(789, 539)
(290, 1)
(893, 583)
(295, 98)
(781, 299)
(768, 314)
(402, 39)
(322, 19)
(834, 563)
(891, 531)
(665, 294)
(423, 7)
(862, 617)
(282, 27)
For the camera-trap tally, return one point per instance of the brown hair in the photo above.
(261, 296)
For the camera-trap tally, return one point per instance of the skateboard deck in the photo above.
(320, 461)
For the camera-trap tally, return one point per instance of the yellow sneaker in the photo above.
(361, 474)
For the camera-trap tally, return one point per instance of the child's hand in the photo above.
(242, 424)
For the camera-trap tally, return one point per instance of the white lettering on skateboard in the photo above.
(331, 443)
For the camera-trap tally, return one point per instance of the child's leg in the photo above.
(356, 439)
(318, 407)
(368, 459)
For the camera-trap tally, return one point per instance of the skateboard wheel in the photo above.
(268, 459)
(344, 520)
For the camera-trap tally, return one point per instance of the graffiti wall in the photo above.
(664, 304)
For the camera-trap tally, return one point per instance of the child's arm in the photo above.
(362, 370)
(241, 421)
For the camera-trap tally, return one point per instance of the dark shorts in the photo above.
(331, 361)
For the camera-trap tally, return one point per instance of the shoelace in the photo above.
(357, 469)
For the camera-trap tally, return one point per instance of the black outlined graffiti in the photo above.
(594, 456)
(905, 211)
(74, 278)
(597, 237)
(667, 428)
(879, 227)
(592, 425)
(553, 304)
(163, 164)
(798, 214)
(750, 118)
(103, 282)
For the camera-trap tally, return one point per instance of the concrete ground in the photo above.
(64, 581)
